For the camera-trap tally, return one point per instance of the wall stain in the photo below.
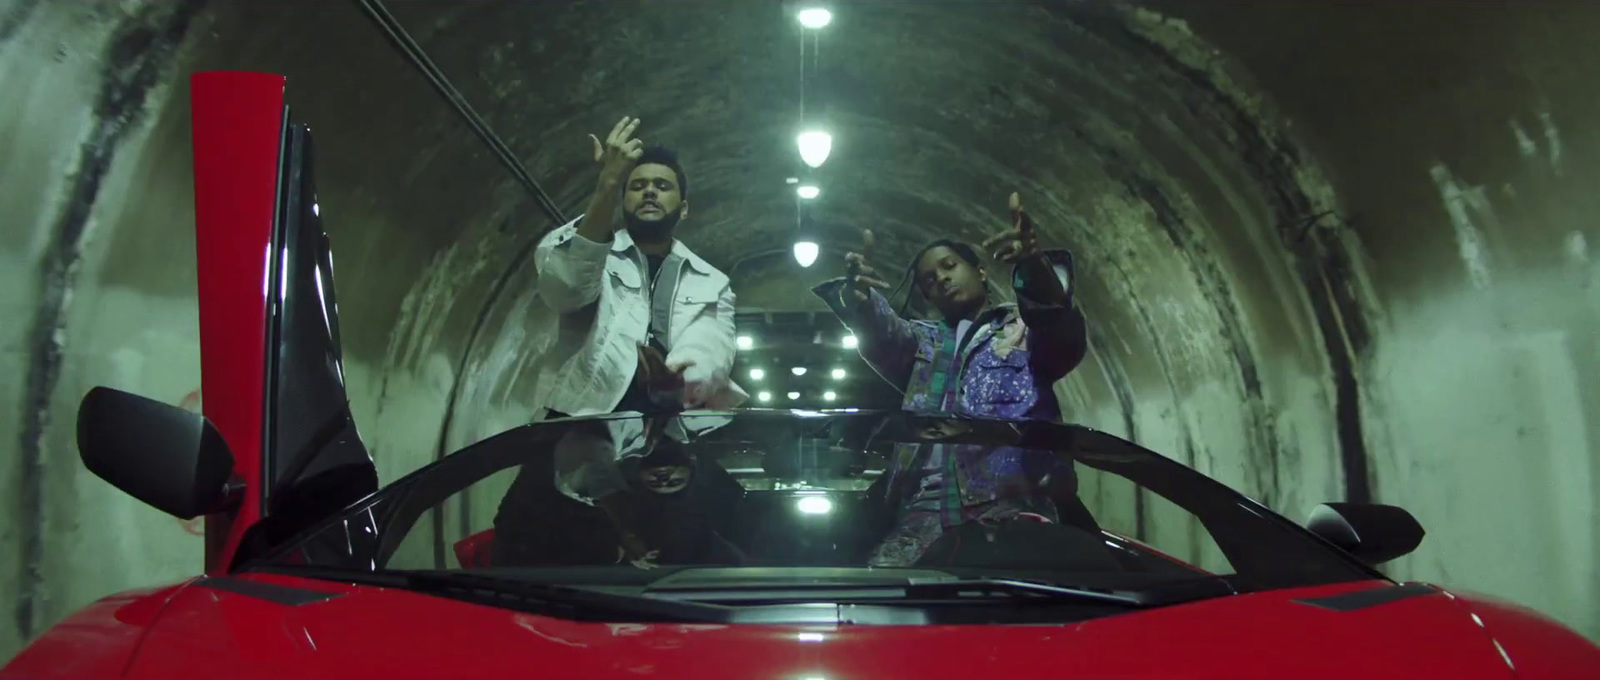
(1325, 266)
(1116, 377)
(12, 21)
(137, 60)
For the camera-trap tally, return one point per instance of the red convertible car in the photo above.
(762, 544)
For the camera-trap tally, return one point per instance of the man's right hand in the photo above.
(618, 154)
(861, 277)
(659, 379)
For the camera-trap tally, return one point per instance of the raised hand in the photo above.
(861, 276)
(1018, 243)
(620, 151)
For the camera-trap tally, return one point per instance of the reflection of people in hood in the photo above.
(666, 470)
(662, 500)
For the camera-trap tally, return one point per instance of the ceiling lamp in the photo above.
(838, 374)
(764, 397)
(807, 191)
(745, 342)
(849, 341)
(798, 370)
(814, 17)
(757, 374)
(829, 396)
(793, 396)
(814, 147)
(805, 252)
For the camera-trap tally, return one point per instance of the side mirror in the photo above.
(1370, 532)
(167, 457)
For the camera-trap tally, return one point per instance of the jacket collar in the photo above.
(622, 242)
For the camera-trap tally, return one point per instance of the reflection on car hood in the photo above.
(278, 626)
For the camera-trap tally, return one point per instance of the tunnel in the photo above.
(1327, 251)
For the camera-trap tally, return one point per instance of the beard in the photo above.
(652, 230)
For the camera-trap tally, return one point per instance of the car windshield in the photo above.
(780, 498)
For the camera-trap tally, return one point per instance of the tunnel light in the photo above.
(757, 374)
(814, 505)
(763, 397)
(814, 17)
(838, 374)
(805, 252)
(793, 396)
(745, 342)
(807, 191)
(849, 341)
(316, 209)
(829, 396)
(798, 370)
(814, 147)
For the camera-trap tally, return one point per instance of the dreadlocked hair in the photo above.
(962, 250)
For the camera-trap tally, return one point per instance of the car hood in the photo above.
(277, 626)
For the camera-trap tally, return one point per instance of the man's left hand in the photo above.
(1020, 242)
(1019, 246)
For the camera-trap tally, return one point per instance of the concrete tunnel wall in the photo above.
(1325, 249)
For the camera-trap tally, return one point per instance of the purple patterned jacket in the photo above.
(1006, 369)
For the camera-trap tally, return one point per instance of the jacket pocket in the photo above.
(698, 290)
(993, 380)
(625, 276)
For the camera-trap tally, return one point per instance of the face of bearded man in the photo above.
(652, 202)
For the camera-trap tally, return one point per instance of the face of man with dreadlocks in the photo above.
(951, 279)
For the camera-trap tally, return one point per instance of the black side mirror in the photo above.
(1370, 532)
(171, 459)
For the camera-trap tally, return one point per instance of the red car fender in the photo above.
(1534, 646)
(98, 641)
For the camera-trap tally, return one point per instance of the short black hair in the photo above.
(909, 281)
(657, 154)
(962, 250)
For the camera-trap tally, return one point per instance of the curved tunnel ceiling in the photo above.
(1128, 138)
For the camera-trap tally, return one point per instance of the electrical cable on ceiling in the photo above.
(802, 78)
(397, 34)
(797, 207)
(401, 39)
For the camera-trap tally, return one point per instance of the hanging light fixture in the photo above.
(805, 252)
(807, 191)
(814, 147)
(814, 17)
(805, 239)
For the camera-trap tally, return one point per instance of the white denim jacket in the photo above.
(601, 296)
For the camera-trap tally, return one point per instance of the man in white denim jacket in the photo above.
(607, 280)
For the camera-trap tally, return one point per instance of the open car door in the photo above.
(277, 447)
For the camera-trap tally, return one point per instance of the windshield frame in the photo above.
(372, 522)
